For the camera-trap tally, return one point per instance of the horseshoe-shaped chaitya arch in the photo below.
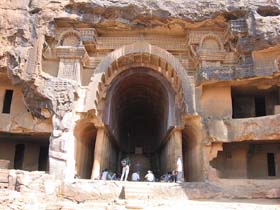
(141, 54)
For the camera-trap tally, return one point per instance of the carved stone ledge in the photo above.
(234, 130)
(209, 55)
(228, 73)
(70, 52)
(85, 34)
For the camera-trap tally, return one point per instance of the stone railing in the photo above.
(227, 73)
(245, 129)
(238, 26)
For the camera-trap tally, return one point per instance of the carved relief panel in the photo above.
(69, 69)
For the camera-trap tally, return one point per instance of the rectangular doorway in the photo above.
(260, 106)
(271, 164)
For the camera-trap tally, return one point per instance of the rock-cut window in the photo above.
(7, 101)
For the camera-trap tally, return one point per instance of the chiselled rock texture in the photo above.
(191, 84)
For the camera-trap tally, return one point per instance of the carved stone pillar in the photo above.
(178, 147)
(69, 69)
(172, 150)
(99, 150)
(70, 62)
(61, 151)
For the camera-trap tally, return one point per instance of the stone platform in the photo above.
(38, 190)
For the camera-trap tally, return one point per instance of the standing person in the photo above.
(174, 176)
(150, 177)
(179, 170)
(104, 174)
(125, 169)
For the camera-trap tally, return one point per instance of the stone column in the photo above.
(61, 151)
(70, 62)
(173, 150)
(98, 153)
(178, 147)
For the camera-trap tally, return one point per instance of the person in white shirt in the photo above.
(125, 169)
(179, 170)
(104, 174)
(150, 176)
(135, 176)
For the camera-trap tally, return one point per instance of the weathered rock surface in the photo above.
(23, 21)
(37, 190)
(235, 130)
(25, 24)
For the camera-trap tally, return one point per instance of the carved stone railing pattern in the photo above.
(238, 26)
(196, 36)
(209, 55)
(227, 73)
(166, 43)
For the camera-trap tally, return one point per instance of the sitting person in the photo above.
(150, 176)
(111, 176)
(135, 176)
(166, 177)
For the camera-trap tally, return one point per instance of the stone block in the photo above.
(273, 193)
(277, 109)
(4, 164)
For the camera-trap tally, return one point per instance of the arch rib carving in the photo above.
(141, 54)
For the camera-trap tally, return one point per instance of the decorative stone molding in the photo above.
(168, 43)
(155, 58)
(82, 34)
(196, 36)
(211, 50)
(69, 69)
(70, 38)
(34, 63)
(70, 62)
(71, 52)
(211, 36)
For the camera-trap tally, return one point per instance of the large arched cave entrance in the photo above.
(139, 95)
(139, 114)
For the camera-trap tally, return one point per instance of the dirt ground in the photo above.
(242, 204)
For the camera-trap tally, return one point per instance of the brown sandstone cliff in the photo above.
(22, 21)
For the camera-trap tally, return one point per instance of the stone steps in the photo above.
(138, 190)
(135, 204)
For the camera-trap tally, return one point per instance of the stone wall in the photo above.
(215, 102)
(19, 119)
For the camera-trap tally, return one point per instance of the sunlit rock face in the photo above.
(84, 84)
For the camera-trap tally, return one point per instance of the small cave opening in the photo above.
(268, 11)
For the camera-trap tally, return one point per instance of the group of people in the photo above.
(174, 176)
(108, 175)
